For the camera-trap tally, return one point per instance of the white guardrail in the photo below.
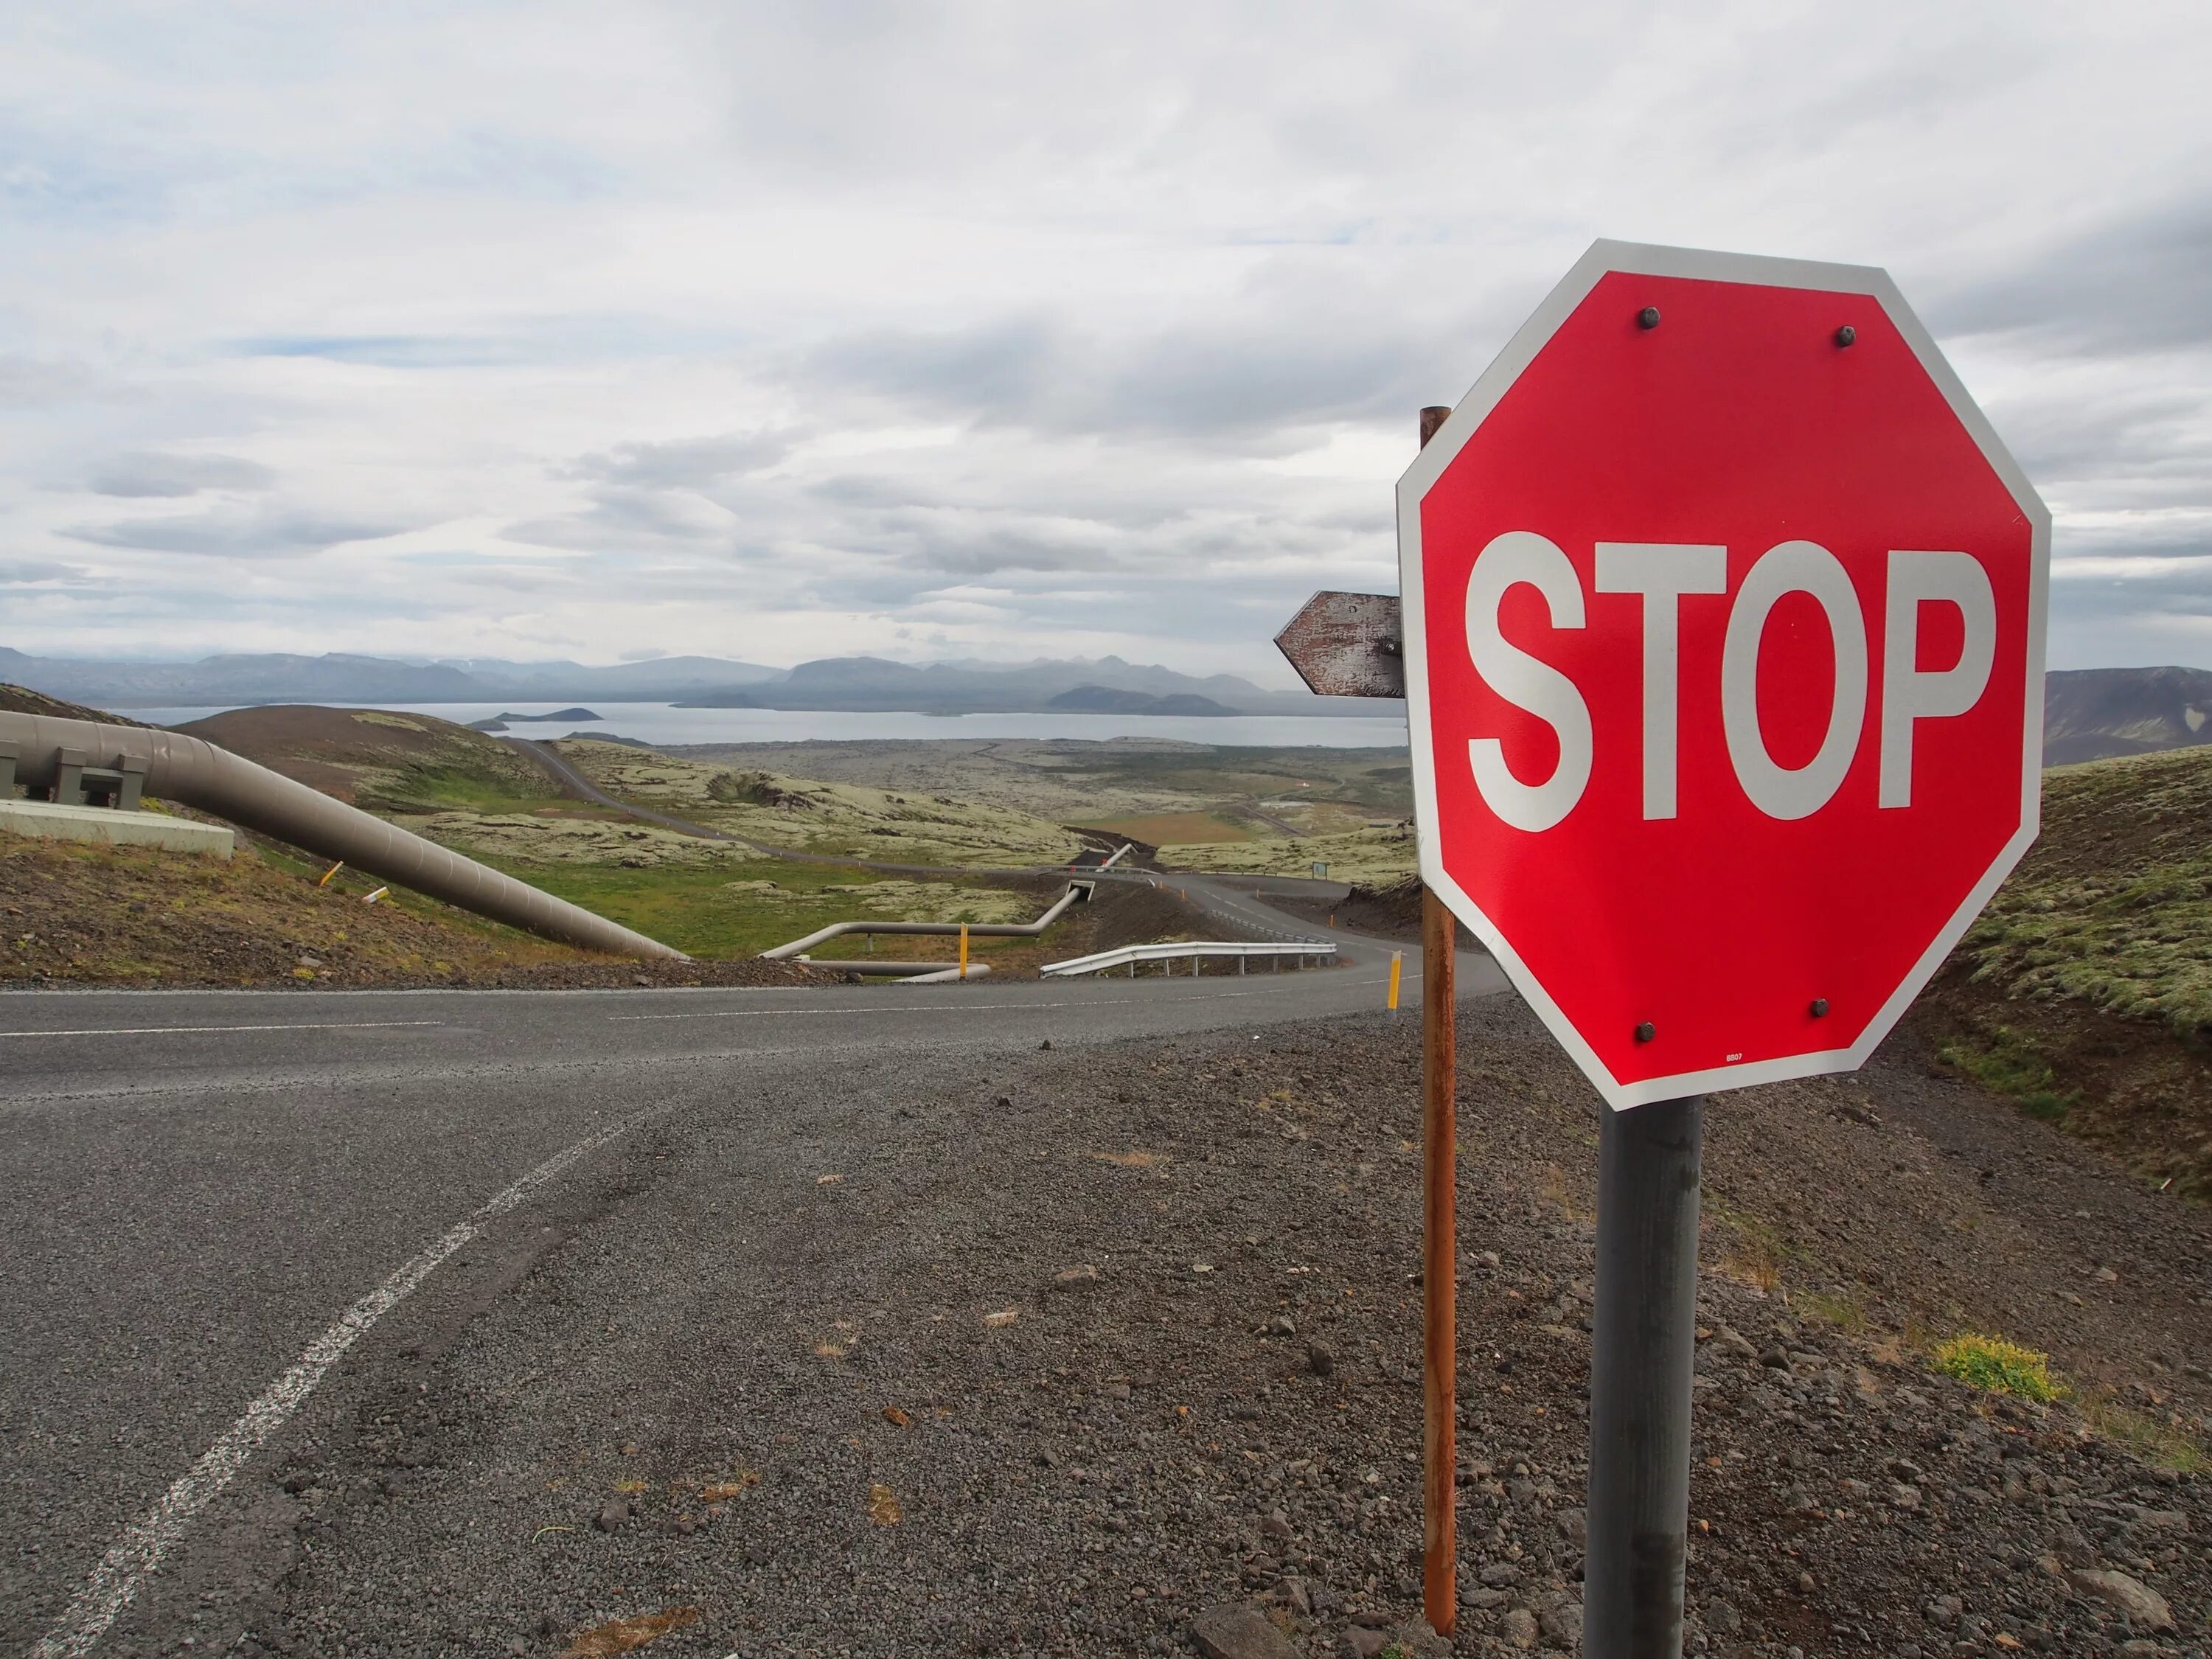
(1131, 955)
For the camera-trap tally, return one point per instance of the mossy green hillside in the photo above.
(843, 819)
(2113, 907)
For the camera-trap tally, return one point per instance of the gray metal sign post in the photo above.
(1645, 1344)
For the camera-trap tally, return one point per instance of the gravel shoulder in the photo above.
(1052, 1354)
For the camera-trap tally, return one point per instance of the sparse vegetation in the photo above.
(1996, 1366)
(2006, 1063)
(852, 820)
(2164, 1444)
(1367, 856)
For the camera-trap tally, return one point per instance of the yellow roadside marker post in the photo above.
(1397, 966)
(964, 949)
(328, 874)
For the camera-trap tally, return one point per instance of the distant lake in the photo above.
(662, 723)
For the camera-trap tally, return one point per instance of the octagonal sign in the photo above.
(1723, 617)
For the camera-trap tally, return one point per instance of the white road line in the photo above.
(138, 1553)
(196, 1030)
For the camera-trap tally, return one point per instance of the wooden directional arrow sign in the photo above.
(1345, 645)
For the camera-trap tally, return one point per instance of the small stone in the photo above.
(2144, 1605)
(311, 962)
(1775, 1360)
(1319, 1360)
(1574, 1526)
(1517, 1629)
(1498, 1573)
(1045, 1045)
(612, 1514)
(1363, 1644)
(1722, 1617)
(1237, 1630)
(1292, 1593)
(1082, 1277)
(1561, 1626)
(1902, 1497)
(1281, 1325)
(1006, 1100)
(1943, 1610)
(1276, 1524)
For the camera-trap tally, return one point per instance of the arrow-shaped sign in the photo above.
(1346, 645)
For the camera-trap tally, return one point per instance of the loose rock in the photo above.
(1231, 1630)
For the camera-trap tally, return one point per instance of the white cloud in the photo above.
(780, 331)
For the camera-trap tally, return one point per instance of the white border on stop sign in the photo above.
(1641, 259)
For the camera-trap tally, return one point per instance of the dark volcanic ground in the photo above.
(1048, 1356)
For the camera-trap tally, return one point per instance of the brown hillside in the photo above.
(21, 700)
(72, 914)
(391, 762)
(2085, 991)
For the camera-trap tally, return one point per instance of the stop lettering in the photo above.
(1723, 625)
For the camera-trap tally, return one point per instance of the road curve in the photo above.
(209, 1189)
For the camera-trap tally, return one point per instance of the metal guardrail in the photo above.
(1131, 955)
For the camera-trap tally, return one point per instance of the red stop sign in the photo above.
(1723, 613)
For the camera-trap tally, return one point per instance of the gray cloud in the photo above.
(25, 573)
(1247, 381)
(259, 531)
(150, 474)
(2135, 283)
(685, 462)
(871, 327)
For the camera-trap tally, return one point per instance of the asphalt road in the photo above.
(214, 1196)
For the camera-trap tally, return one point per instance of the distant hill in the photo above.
(236, 681)
(1107, 685)
(1111, 700)
(2093, 713)
(857, 683)
(2089, 714)
(389, 763)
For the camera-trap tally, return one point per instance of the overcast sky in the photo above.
(775, 331)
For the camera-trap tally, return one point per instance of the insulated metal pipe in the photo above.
(974, 929)
(196, 772)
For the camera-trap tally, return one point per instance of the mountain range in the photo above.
(2089, 714)
(1107, 684)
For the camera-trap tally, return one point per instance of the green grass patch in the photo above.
(1846, 1309)
(724, 908)
(1996, 1366)
(454, 789)
(2006, 1063)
